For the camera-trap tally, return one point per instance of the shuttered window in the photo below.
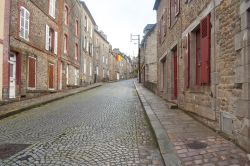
(76, 52)
(24, 23)
(51, 40)
(51, 76)
(76, 27)
(52, 8)
(66, 15)
(202, 44)
(198, 58)
(31, 72)
(205, 28)
(175, 74)
(65, 43)
(187, 62)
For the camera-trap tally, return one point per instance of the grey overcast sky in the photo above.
(119, 18)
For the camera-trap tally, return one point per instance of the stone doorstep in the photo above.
(36, 103)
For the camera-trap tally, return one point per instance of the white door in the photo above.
(61, 68)
(12, 68)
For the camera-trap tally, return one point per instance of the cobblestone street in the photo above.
(103, 126)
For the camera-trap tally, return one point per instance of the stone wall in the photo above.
(224, 103)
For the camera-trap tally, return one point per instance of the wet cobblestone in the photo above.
(104, 126)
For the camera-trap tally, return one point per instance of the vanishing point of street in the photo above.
(103, 126)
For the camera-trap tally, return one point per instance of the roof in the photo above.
(101, 36)
(88, 12)
(149, 28)
(156, 5)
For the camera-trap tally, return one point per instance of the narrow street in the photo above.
(103, 126)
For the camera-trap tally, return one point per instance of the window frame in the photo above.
(66, 14)
(52, 8)
(65, 43)
(28, 75)
(25, 20)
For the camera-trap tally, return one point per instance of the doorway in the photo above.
(12, 76)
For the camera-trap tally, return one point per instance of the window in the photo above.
(51, 76)
(175, 73)
(97, 70)
(174, 10)
(76, 28)
(51, 40)
(86, 23)
(90, 69)
(176, 7)
(103, 59)
(198, 57)
(76, 52)
(65, 41)
(84, 66)
(24, 23)
(32, 73)
(52, 8)
(187, 62)
(202, 52)
(76, 76)
(66, 15)
(103, 73)
(67, 74)
(85, 43)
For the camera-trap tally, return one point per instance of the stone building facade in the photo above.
(203, 62)
(88, 48)
(33, 47)
(102, 54)
(70, 43)
(148, 55)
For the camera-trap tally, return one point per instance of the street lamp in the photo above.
(137, 38)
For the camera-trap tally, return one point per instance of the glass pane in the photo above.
(22, 12)
(11, 70)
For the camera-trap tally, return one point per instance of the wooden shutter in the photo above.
(51, 76)
(175, 74)
(205, 50)
(47, 37)
(56, 42)
(187, 62)
(32, 72)
(165, 22)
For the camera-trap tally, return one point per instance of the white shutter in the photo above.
(27, 24)
(55, 48)
(47, 38)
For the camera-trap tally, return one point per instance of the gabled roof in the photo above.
(156, 5)
(88, 12)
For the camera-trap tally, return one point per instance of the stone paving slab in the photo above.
(185, 141)
(19, 106)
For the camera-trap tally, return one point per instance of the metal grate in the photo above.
(196, 145)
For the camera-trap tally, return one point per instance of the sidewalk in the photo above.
(17, 107)
(183, 140)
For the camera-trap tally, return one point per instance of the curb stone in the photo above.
(37, 104)
(164, 143)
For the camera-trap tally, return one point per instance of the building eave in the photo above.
(156, 5)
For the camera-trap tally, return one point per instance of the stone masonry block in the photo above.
(238, 41)
(239, 74)
(243, 109)
(245, 56)
(245, 20)
(245, 91)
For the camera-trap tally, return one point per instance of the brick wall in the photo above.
(35, 46)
